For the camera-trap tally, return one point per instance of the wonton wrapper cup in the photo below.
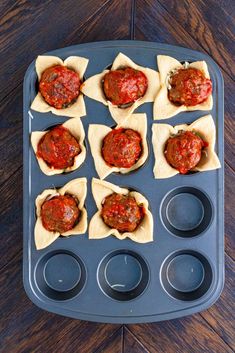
(98, 229)
(75, 127)
(93, 88)
(204, 126)
(96, 134)
(77, 188)
(162, 107)
(77, 64)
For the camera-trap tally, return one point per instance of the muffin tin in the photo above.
(182, 271)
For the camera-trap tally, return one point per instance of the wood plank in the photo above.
(132, 344)
(221, 316)
(11, 217)
(106, 25)
(26, 328)
(26, 17)
(87, 337)
(11, 151)
(11, 138)
(74, 24)
(113, 344)
(191, 334)
(215, 32)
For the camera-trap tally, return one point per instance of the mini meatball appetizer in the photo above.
(183, 151)
(184, 87)
(122, 213)
(188, 87)
(123, 88)
(122, 149)
(58, 148)
(60, 212)
(59, 86)
(184, 148)
(61, 149)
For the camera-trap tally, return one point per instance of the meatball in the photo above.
(58, 148)
(59, 86)
(122, 148)
(183, 151)
(124, 86)
(60, 213)
(122, 212)
(189, 87)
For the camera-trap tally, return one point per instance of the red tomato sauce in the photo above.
(122, 148)
(60, 213)
(58, 148)
(122, 212)
(183, 151)
(59, 86)
(124, 86)
(189, 87)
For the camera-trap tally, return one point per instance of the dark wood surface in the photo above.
(29, 28)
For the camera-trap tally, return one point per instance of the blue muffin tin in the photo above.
(182, 271)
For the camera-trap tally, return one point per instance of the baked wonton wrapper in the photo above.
(93, 88)
(77, 64)
(204, 126)
(77, 188)
(75, 127)
(98, 229)
(96, 134)
(162, 107)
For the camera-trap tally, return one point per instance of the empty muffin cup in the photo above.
(60, 275)
(186, 211)
(186, 275)
(123, 275)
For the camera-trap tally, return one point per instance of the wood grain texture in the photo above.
(29, 28)
(221, 316)
(11, 217)
(189, 334)
(11, 140)
(25, 24)
(215, 31)
(132, 344)
(113, 344)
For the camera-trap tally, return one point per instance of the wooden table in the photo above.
(29, 28)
